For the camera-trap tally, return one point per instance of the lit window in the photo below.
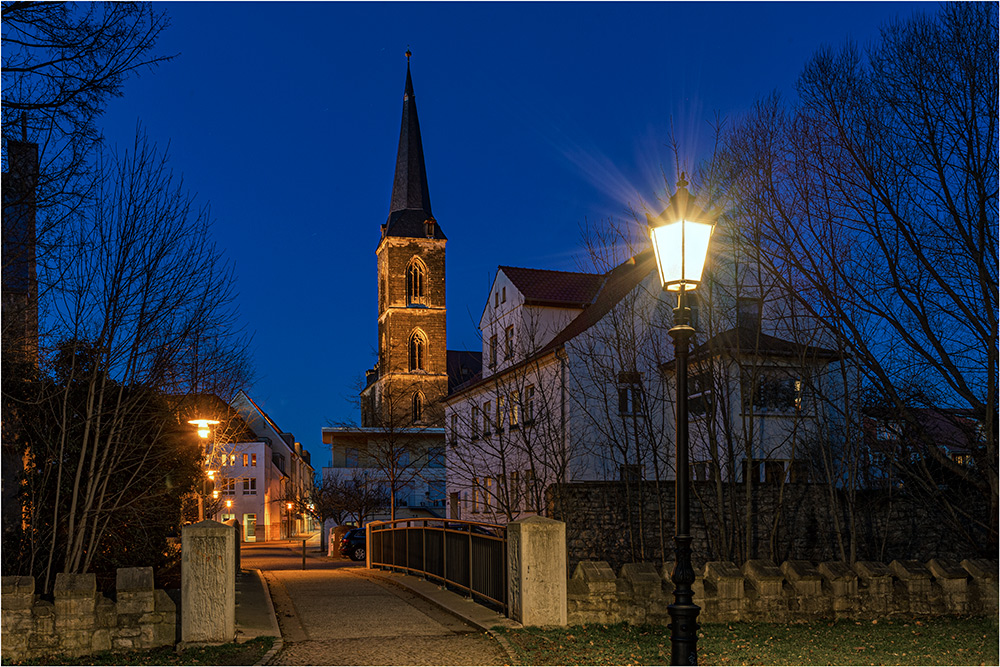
(515, 408)
(246, 460)
(253, 460)
(501, 413)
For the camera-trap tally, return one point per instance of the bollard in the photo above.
(303, 554)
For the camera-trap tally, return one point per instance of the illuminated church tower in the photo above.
(411, 376)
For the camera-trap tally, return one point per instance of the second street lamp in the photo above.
(680, 237)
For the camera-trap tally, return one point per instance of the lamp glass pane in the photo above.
(669, 239)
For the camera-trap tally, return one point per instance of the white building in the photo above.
(259, 471)
(577, 385)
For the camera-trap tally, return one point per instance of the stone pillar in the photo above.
(208, 583)
(536, 571)
(917, 580)
(75, 604)
(237, 538)
(18, 599)
(728, 582)
(843, 583)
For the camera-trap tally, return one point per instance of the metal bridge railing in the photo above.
(465, 555)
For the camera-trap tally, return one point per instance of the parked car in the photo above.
(352, 544)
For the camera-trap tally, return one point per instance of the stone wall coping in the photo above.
(134, 579)
(762, 570)
(639, 573)
(943, 568)
(837, 570)
(800, 570)
(981, 568)
(718, 570)
(18, 585)
(909, 570)
(869, 569)
(590, 570)
(75, 585)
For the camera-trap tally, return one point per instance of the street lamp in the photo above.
(203, 433)
(680, 237)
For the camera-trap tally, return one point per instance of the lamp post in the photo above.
(203, 432)
(680, 237)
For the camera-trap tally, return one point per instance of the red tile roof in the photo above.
(554, 288)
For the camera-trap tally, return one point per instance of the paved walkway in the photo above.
(337, 613)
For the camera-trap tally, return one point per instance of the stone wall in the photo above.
(81, 621)
(620, 523)
(796, 591)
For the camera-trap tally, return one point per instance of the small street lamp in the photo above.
(203, 432)
(680, 237)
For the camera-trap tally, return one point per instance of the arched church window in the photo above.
(418, 406)
(417, 351)
(415, 275)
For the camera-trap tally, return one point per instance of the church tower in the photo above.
(411, 377)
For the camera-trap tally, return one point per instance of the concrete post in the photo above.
(208, 583)
(536, 571)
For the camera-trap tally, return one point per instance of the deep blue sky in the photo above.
(536, 118)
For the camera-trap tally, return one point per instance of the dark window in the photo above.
(493, 351)
(508, 342)
(417, 345)
(529, 404)
(630, 472)
(415, 282)
(700, 394)
(435, 458)
(748, 313)
(629, 393)
(418, 407)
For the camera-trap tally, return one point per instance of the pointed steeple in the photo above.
(410, 207)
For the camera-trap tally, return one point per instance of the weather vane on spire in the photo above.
(408, 54)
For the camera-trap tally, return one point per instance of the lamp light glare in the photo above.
(203, 424)
(229, 503)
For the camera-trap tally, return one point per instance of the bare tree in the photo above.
(343, 496)
(145, 293)
(874, 203)
(62, 63)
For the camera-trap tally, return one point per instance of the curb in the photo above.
(278, 641)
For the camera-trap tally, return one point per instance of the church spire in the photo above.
(409, 186)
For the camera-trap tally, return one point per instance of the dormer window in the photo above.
(429, 228)
(415, 274)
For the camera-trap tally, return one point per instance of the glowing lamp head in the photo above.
(203, 424)
(289, 506)
(229, 503)
(680, 237)
(211, 473)
(215, 495)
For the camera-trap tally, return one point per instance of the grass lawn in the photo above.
(247, 653)
(939, 641)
